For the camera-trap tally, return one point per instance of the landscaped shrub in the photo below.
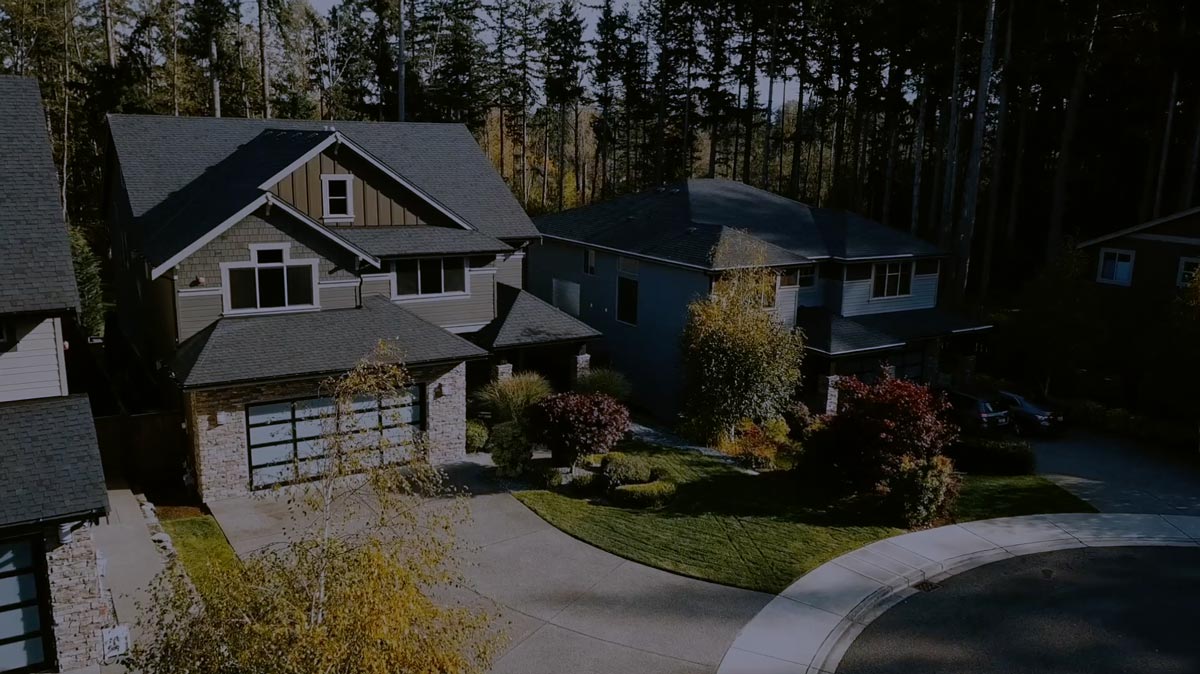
(992, 456)
(799, 419)
(510, 449)
(752, 446)
(509, 399)
(621, 469)
(919, 491)
(646, 495)
(584, 483)
(573, 424)
(606, 381)
(477, 435)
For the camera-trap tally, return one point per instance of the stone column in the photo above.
(827, 393)
(502, 370)
(79, 603)
(887, 370)
(583, 363)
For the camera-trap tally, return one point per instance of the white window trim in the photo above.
(884, 298)
(1183, 261)
(325, 180)
(589, 261)
(226, 299)
(1100, 267)
(419, 296)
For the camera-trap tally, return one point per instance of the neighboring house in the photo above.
(864, 294)
(256, 258)
(1150, 262)
(53, 607)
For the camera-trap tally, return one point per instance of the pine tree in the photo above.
(563, 58)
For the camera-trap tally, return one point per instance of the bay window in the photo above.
(430, 276)
(270, 280)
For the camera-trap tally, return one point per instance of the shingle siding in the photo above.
(233, 245)
(33, 366)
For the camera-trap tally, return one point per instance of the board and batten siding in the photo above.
(376, 201)
(856, 297)
(32, 364)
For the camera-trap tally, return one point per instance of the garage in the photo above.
(289, 440)
(26, 642)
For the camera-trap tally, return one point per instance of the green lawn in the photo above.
(201, 545)
(757, 532)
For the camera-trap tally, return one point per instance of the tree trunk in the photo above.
(966, 226)
(1165, 152)
(751, 100)
(737, 136)
(109, 39)
(545, 161)
(500, 117)
(782, 130)
(562, 152)
(1188, 190)
(946, 222)
(794, 185)
(993, 208)
(766, 163)
(215, 75)
(264, 67)
(1058, 207)
(891, 131)
(578, 170)
(919, 154)
(1014, 199)
(175, 56)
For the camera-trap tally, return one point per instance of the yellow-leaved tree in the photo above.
(354, 585)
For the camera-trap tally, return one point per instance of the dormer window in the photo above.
(338, 196)
(269, 281)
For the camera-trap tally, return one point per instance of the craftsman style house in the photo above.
(865, 295)
(1150, 262)
(256, 258)
(53, 608)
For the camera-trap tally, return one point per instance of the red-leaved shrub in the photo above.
(572, 424)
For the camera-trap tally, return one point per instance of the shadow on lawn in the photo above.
(782, 495)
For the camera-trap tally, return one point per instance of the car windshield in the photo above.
(990, 406)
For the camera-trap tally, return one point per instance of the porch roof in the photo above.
(835, 335)
(524, 320)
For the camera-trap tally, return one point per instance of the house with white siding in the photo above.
(257, 258)
(865, 295)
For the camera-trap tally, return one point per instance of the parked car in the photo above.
(1029, 417)
(978, 412)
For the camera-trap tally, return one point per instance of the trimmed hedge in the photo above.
(919, 492)
(646, 495)
(477, 435)
(992, 456)
(510, 449)
(621, 469)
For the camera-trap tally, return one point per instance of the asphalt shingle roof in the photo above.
(421, 240)
(252, 348)
(50, 460)
(166, 158)
(691, 223)
(834, 334)
(524, 320)
(37, 274)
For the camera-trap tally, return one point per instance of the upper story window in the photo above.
(801, 277)
(627, 290)
(891, 279)
(430, 276)
(337, 194)
(1116, 266)
(1188, 267)
(269, 281)
(589, 262)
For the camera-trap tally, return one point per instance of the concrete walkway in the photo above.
(810, 625)
(1117, 475)
(568, 607)
(131, 560)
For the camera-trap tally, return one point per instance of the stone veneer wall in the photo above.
(80, 605)
(216, 421)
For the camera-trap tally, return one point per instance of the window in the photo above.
(1188, 266)
(927, 267)
(627, 300)
(338, 197)
(858, 272)
(566, 296)
(271, 280)
(430, 276)
(288, 440)
(1116, 267)
(892, 279)
(803, 277)
(589, 262)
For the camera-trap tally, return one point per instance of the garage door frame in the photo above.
(41, 575)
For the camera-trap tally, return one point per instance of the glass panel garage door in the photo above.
(288, 440)
(23, 636)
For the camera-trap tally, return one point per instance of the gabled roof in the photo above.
(836, 335)
(167, 162)
(50, 461)
(524, 320)
(422, 240)
(36, 274)
(688, 223)
(255, 348)
(1137, 228)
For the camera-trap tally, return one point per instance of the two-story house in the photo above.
(256, 258)
(53, 608)
(864, 294)
(1149, 262)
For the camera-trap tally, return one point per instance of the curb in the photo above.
(808, 627)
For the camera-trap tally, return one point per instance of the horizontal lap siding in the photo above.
(34, 366)
(477, 308)
(196, 312)
(856, 297)
(339, 297)
(509, 269)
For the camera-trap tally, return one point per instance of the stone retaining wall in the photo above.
(80, 604)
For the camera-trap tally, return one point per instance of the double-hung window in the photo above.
(1116, 267)
(337, 195)
(430, 276)
(627, 290)
(1188, 268)
(891, 279)
(802, 277)
(269, 281)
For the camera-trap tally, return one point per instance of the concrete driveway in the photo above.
(1119, 476)
(569, 607)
